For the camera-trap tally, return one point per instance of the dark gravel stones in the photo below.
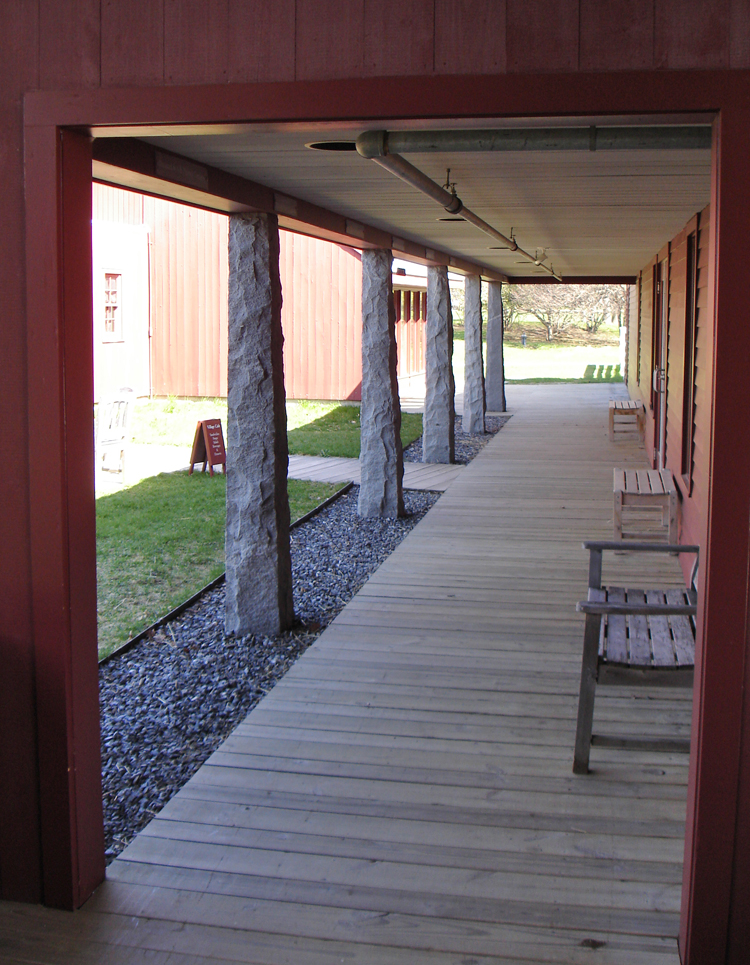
(467, 444)
(167, 703)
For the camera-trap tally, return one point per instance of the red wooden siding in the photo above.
(114, 204)
(188, 298)
(676, 349)
(411, 315)
(646, 329)
(691, 506)
(321, 285)
(676, 299)
(87, 43)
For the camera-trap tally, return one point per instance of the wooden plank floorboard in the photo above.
(425, 476)
(404, 795)
(360, 844)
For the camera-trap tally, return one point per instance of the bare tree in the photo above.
(558, 307)
(552, 305)
(618, 300)
(599, 303)
(593, 304)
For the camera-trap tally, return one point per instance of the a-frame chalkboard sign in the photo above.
(208, 446)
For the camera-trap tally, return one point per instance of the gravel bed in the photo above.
(467, 445)
(167, 703)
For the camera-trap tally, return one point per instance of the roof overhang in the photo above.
(592, 214)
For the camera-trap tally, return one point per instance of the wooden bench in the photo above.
(627, 416)
(633, 637)
(648, 492)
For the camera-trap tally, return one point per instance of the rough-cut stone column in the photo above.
(495, 384)
(439, 410)
(474, 404)
(258, 560)
(381, 460)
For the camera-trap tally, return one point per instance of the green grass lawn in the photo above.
(160, 541)
(172, 422)
(553, 362)
(546, 362)
(337, 433)
(314, 428)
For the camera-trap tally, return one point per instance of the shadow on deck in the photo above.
(405, 794)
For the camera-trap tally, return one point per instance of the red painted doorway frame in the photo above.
(716, 906)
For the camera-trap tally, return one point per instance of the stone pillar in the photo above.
(474, 404)
(439, 410)
(381, 459)
(495, 385)
(258, 559)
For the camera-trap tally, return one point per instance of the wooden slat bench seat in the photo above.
(624, 416)
(632, 637)
(639, 496)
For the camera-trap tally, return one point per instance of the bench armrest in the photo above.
(635, 609)
(596, 548)
(619, 546)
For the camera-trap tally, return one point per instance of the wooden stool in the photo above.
(627, 414)
(646, 490)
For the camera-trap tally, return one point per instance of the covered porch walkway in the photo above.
(405, 795)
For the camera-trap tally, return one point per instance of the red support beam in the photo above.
(225, 108)
(715, 922)
(63, 523)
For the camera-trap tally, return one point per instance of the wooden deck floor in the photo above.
(417, 475)
(404, 794)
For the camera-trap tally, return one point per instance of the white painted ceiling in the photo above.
(596, 213)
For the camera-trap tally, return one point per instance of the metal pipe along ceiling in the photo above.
(372, 144)
(385, 148)
(451, 202)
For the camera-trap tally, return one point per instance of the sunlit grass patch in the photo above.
(162, 540)
(337, 433)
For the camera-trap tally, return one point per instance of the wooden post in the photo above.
(715, 922)
(63, 522)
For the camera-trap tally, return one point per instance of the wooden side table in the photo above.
(627, 414)
(649, 491)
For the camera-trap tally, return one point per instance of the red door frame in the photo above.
(715, 907)
(63, 524)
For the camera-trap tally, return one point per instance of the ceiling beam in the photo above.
(138, 166)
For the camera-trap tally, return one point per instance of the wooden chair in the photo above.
(112, 428)
(633, 637)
